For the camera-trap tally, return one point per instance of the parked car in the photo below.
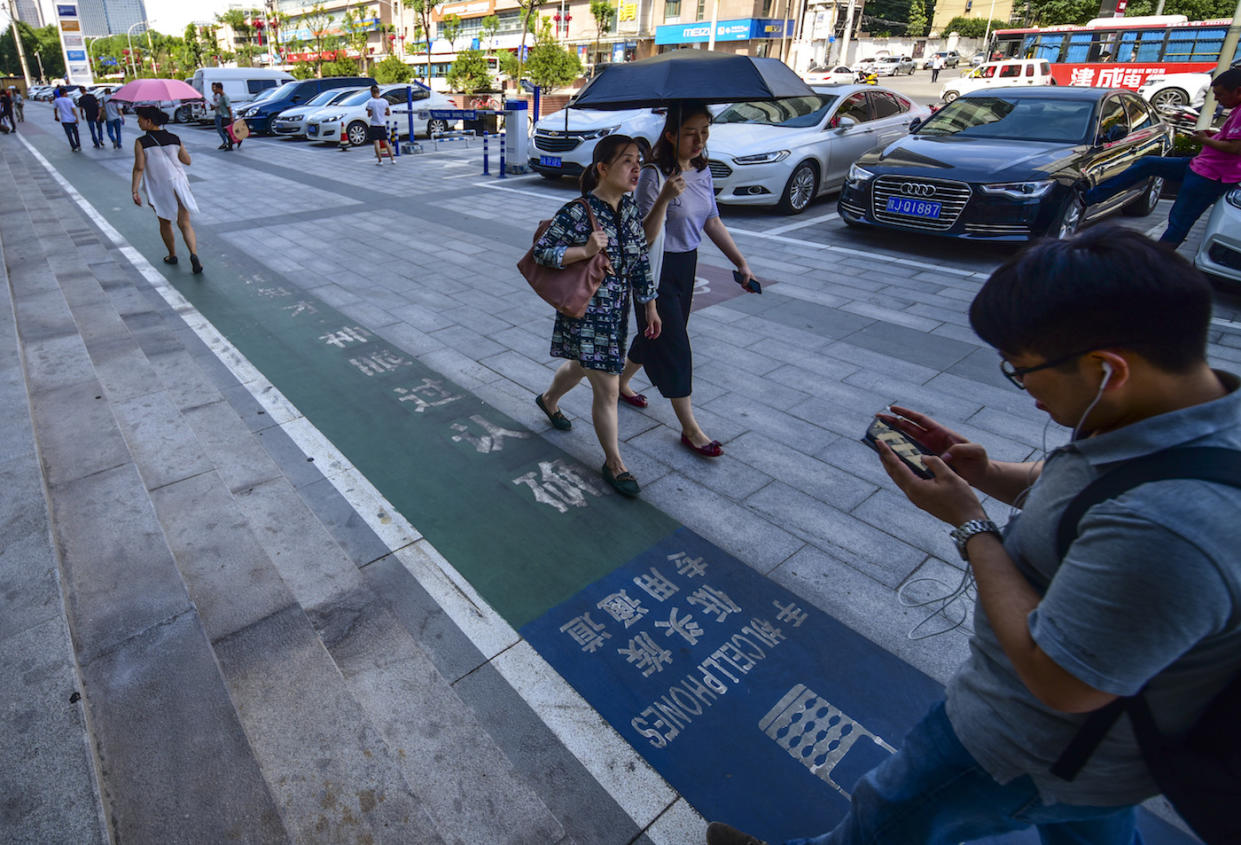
(349, 116)
(1219, 255)
(839, 75)
(259, 114)
(291, 123)
(243, 85)
(1008, 165)
(1005, 74)
(787, 152)
(893, 66)
(1176, 89)
(951, 59)
(565, 143)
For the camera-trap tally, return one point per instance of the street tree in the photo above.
(604, 14)
(916, 26)
(450, 30)
(469, 73)
(529, 9)
(357, 24)
(551, 65)
(425, 10)
(392, 70)
(318, 23)
(490, 25)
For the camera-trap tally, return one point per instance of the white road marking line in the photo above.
(1228, 324)
(788, 227)
(1155, 230)
(640, 791)
(876, 256)
(527, 192)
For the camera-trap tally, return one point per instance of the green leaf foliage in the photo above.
(968, 27)
(391, 70)
(469, 73)
(916, 27)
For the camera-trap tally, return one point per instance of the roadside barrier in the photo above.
(502, 163)
(456, 135)
(394, 140)
(486, 157)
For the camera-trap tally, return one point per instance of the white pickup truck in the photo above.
(1001, 74)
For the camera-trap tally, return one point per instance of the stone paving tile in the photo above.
(910, 345)
(787, 428)
(78, 435)
(163, 447)
(816, 478)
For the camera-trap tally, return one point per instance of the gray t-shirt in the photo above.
(1149, 592)
(111, 108)
(688, 213)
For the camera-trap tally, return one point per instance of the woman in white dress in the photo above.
(158, 160)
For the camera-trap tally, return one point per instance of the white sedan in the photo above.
(839, 75)
(1176, 89)
(291, 123)
(787, 152)
(1220, 252)
(349, 117)
(564, 144)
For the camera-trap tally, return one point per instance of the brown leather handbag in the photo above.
(570, 289)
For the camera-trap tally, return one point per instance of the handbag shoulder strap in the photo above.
(594, 224)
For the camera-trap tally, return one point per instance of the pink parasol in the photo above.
(155, 91)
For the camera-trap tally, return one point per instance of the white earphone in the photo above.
(1107, 375)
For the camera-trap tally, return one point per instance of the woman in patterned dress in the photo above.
(159, 167)
(595, 344)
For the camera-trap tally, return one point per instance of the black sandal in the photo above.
(196, 266)
(558, 419)
(170, 259)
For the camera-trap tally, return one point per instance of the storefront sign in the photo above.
(469, 9)
(742, 29)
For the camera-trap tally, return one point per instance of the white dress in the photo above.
(163, 177)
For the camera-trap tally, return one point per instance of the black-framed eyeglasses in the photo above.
(1017, 375)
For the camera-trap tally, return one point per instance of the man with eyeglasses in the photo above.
(1107, 332)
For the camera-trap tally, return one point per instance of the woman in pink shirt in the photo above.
(1204, 178)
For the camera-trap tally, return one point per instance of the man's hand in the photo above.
(947, 496)
(964, 457)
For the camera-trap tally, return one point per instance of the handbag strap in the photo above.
(594, 224)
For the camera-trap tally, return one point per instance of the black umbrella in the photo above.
(682, 75)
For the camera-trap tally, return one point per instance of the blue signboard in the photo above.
(742, 29)
(75, 55)
(66, 11)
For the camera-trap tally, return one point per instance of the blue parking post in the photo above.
(501, 174)
(409, 102)
(396, 140)
(486, 157)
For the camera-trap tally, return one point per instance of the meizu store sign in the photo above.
(743, 29)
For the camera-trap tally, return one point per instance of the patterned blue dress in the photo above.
(598, 339)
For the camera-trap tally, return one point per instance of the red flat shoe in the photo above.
(637, 400)
(712, 450)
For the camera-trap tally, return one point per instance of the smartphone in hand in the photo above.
(910, 451)
(752, 285)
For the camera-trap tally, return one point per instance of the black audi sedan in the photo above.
(1008, 164)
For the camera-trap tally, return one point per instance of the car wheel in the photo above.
(801, 188)
(1068, 220)
(1170, 97)
(1146, 203)
(434, 126)
(181, 115)
(358, 133)
(949, 96)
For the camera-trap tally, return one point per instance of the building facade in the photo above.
(112, 17)
(28, 11)
(1000, 12)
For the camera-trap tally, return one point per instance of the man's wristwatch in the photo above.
(963, 532)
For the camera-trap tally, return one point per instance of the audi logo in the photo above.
(909, 189)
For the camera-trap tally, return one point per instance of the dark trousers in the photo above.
(96, 132)
(114, 131)
(1196, 194)
(71, 132)
(935, 74)
(7, 117)
(668, 360)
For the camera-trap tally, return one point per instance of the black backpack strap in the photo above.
(1200, 463)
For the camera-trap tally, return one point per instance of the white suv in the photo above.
(1003, 74)
(565, 147)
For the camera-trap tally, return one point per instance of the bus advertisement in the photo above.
(1119, 52)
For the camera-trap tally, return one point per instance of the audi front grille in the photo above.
(997, 229)
(952, 197)
(556, 143)
(719, 170)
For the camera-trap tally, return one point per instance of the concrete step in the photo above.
(241, 678)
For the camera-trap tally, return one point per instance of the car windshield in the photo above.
(267, 94)
(790, 112)
(323, 98)
(1015, 118)
(357, 99)
(280, 92)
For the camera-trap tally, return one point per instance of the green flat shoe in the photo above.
(625, 483)
(558, 419)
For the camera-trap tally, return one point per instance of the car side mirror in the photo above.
(844, 123)
(914, 124)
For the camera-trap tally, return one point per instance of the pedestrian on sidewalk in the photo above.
(594, 345)
(66, 115)
(19, 104)
(93, 115)
(937, 64)
(113, 118)
(223, 115)
(679, 195)
(6, 108)
(1107, 331)
(1204, 178)
(379, 109)
(159, 157)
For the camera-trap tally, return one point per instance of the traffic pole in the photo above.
(396, 140)
(502, 163)
(486, 157)
(1225, 61)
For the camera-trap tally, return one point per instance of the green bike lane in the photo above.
(755, 706)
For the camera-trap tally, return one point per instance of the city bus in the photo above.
(1118, 52)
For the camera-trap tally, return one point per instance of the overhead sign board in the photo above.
(69, 24)
(742, 29)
